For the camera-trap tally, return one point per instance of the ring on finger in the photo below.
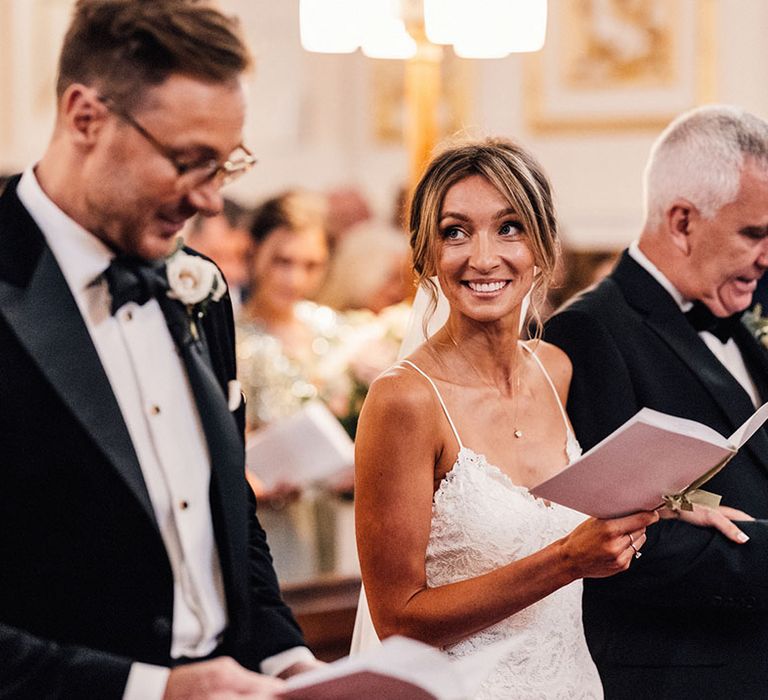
(637, 552)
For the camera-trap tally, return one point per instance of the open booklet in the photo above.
(302, 449)
(654, 459)
(400, 668)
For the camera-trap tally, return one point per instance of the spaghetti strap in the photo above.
(551, 384)
(439, 398)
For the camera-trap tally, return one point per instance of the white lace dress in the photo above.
(482, 521)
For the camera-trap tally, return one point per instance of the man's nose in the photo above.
(206, 198)
(762, 259)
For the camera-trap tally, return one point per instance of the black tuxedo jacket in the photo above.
(690, 618)
(86, 587)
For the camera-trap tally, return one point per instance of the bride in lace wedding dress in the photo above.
(454, 550)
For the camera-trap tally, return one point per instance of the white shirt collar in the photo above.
(642, 259)
(81, 256)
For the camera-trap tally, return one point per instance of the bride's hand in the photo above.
(719, 518)
(600, 548)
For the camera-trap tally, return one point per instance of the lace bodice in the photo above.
(482, 521)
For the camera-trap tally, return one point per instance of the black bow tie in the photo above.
(134, 280)
(702, 319)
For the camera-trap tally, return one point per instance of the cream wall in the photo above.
(309, 121)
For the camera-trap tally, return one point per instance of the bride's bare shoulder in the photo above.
(555, 361)
(401, 388)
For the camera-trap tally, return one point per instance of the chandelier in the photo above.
(394, 28)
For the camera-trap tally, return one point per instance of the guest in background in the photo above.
(347, 206)
(663, 330)
(283, 338)
(287, 349)
(370, 269)
(225, 239)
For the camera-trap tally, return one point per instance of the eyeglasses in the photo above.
(192, 175)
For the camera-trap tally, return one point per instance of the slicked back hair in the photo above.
(124, 47)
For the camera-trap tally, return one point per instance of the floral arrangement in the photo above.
(348, 352)
(195, 282)
(757, 323)
(377, 347)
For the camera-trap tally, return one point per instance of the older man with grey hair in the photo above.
(663, 330)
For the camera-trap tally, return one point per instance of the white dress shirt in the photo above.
(728, 353)
(153, 392)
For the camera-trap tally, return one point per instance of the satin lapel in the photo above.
(229, 502)
(756, 360)
(663, 316)
(44, 316)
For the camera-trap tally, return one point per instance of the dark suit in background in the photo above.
(690, 618)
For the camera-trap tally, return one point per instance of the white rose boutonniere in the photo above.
(195, 282)
(757, 324)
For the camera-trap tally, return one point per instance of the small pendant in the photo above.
(518, 433)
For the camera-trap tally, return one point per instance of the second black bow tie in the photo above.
(702, 319)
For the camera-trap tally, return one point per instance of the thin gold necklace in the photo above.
(516, 431)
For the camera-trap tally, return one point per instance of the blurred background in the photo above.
(328, 121)
(311, 240)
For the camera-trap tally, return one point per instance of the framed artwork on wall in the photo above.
(618, 64)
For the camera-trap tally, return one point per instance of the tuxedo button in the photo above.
(184, 505)
(161, 626)
(154, 409)
(129, 316)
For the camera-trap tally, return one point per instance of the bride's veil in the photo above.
(364, 635)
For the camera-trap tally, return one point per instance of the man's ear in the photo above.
(681, 220)
(81, 114)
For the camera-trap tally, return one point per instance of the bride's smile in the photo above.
(485, 264)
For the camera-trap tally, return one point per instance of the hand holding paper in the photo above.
(305, 448)
(654, 459)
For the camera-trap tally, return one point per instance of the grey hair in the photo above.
(700, 157)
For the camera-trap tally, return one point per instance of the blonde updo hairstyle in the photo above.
(519, 179)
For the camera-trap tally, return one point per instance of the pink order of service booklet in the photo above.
(651, 456)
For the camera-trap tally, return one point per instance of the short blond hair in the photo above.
(700, 157)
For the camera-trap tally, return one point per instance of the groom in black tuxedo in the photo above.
(690, 618)
(131, 560)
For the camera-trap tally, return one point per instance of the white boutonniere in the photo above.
(195, 282)
(757, 323)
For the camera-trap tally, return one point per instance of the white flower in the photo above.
(193, 279)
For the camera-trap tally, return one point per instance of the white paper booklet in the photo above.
(399, 668)
(304, 448)
(652, 456)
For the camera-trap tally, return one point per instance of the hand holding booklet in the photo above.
(654, 459)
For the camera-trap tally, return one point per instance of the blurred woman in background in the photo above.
(288, 349)
(370, 269)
